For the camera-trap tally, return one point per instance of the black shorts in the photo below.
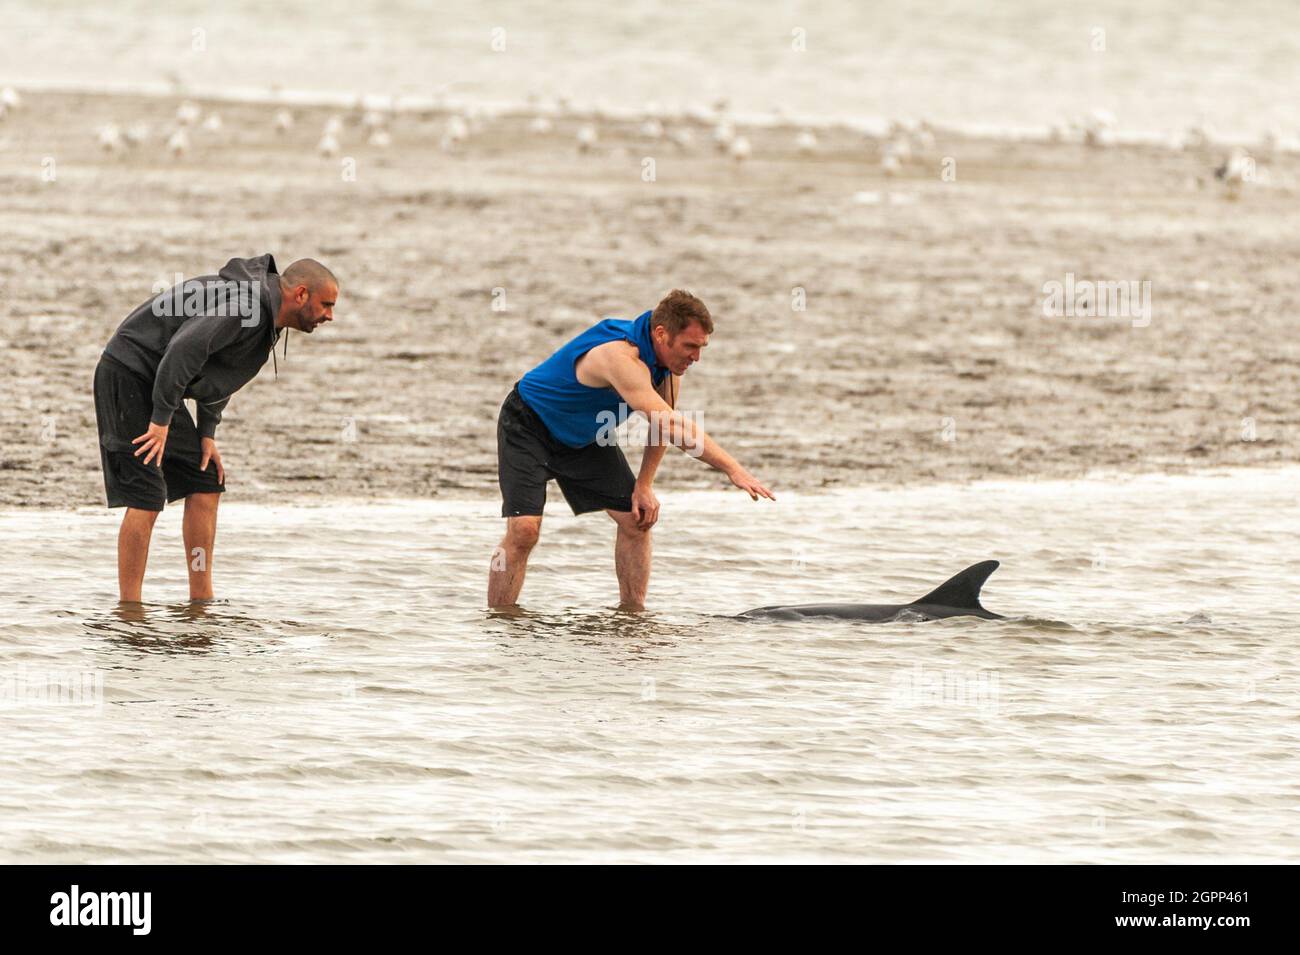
(123, 407)
(592, 478)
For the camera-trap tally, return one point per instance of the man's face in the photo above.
(678, 352)
(312, 308)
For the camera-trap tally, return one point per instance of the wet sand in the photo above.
(922, 355)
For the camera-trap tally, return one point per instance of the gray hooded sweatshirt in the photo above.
(203, 339)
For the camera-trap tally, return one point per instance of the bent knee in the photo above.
(523, 534)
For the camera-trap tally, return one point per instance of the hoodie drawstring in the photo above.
(275, 366)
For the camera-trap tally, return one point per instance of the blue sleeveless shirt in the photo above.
(573, 412)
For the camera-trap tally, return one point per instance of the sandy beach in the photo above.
(922, 354)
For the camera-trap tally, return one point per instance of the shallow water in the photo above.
(348, 699)
(1157, 66)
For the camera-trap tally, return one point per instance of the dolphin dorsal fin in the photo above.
(962, 590)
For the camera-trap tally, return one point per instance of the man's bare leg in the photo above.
(199, 530)
(632, 547)
(510, 560)
(133, 552)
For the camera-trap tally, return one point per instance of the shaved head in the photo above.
(310, 273)
(308, 293)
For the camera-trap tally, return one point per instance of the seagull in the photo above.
(110, 139)
(682, 138)
(136, 134)
(178, 144)
(900, 148)
(10, 99)
(457, 132)
(283, 121)
(380, 139)
(1236, 170)
(723, 136)
(540, 125)
(212, 124)
(652, 129)
(328, 146)
(740, 149)
(333, 126)
(806, 142)
(586, 138)
(924, 138)
(890, 162)
(188, 113)
(1099, 128)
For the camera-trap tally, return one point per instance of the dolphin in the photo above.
(958, 597)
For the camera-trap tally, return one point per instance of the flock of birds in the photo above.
(903, 141)
(683, 131)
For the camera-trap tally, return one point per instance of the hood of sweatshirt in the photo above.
(260, 273)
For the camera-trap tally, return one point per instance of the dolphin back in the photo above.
(956, 597)
(963, 590)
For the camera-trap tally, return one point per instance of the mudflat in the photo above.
(873, 325)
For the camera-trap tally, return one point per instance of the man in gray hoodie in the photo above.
(202, 339)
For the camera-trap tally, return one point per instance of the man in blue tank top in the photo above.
(559, 423)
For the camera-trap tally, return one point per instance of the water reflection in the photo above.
(193, 627)
(630, 633)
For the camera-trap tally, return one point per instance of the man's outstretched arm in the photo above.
(629, 376)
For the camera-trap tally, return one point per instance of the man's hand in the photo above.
(155, 439)
(210, 453)
(749, 484)
(645, 507)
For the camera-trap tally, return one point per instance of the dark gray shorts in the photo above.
(592, 478)
(123, 407)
